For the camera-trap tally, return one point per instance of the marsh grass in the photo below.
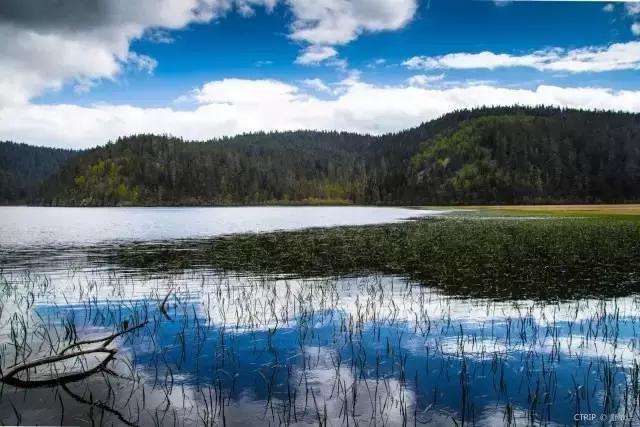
(496, 258)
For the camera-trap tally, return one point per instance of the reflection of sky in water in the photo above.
(398, 348)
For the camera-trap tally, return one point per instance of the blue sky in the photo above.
(258, 47)
(206, 68)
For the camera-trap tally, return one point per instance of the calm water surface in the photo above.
(231, 349)
(44, 226)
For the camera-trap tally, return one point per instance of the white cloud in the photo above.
(157, 35)
(633, 7)
(83, 85)
(142, 62)
(244, 92)
(618, 56)
(326, 23)
(421, 80)
(246, 8)
(54, 42)
(376, 63)
(317, 85)
(314, 55)
(232, 106)
(609, 7)
(34, 62)
(334, 22)
(340, 63)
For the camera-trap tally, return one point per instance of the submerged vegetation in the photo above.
(252, 350)
(450, 321)
(497, 258)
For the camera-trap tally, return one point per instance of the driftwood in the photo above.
(101, 352)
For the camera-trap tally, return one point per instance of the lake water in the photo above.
(50, 226)
(232, 349)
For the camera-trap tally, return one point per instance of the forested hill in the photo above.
(24, 167)
(490, 155)
(249, 169)
(574, 157)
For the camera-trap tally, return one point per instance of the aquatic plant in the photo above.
(497, 258)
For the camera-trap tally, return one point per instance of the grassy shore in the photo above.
(619, 211)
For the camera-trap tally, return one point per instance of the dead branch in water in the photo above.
(106, 340)
(11, 376)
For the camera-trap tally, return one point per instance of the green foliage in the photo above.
(104, 185)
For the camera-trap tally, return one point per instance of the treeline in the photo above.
(488, 155)
(23, 168)
(310, 167)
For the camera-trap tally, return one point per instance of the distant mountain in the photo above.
(23, 168)
(488, 155)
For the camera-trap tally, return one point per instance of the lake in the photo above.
(51, 226)
(205, 346)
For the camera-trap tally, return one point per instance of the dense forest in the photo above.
(248, 169)
(488, 155)
(528, 159)
(23, 168)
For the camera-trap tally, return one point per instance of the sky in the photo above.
(79, 73)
